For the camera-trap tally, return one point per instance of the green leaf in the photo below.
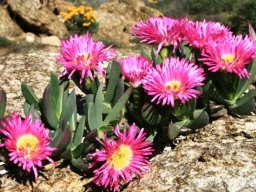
(173, 131)
(29, 95)
(80, 149)
(56, 92)
(113, 81)
(78, 163)
(119, 90)
(48, 109)
(79, 132)
(243, 84)
(92, 122)
(144, 53)
(245, 109)
(150, 114)
(60, 141)
(3, 101)
(30, 109)
(106, 108)
(186, 51)
(118, 107)
(98, 105)
(68, 110)
(200, 119)
(244, 99)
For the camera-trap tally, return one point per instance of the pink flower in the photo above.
(231, 55)
(198, 34)
(81, 53)
(174, 80)
(162, 31)
(28, 142)
(123, 158)
(134, 69)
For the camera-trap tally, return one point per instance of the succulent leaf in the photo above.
(30, 96)
(3, 101)
(113, 81)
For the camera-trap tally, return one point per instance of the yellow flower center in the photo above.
(27, 144)
(228, 58)
(173, 86)
(121, 157)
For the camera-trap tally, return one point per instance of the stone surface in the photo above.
(37, 15)
(50, 40)
(8, 28)
(117, 17)
(33, 68)
(219, 157)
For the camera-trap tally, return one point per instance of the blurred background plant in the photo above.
(233, 13)
(80, 20)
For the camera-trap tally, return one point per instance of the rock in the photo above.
(30, 37)
(219, 157)
(117, 18)
(50, 40)
(58, 5)
(4, 51)
(8, 28)
(37, 16)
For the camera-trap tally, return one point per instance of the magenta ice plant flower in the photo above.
(198, 34)
(122, 158)
(81, 53)
(231, 55)
(176, 79)
(161, 31)
(134, 68)
(28, 142)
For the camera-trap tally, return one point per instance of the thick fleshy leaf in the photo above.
(173, 130)
(150, 114)
(144, 53)
(29, 95)
(61, 139)
(3, 101)
(113, 81)
(30, 109)
(98, 105)
(106, 108)
(56, 92)
(92, 121)
(68, 110)
(200, 119)
(244, 99)
(119, 90)
(79, 132)
(246, 109)
(80, 149)
(156, 58)
(48, 109)
(243, 84)
(118, 107)
(78, 163)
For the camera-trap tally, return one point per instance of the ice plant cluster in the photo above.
(122, 158)
(82, 54)
(27, 142)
